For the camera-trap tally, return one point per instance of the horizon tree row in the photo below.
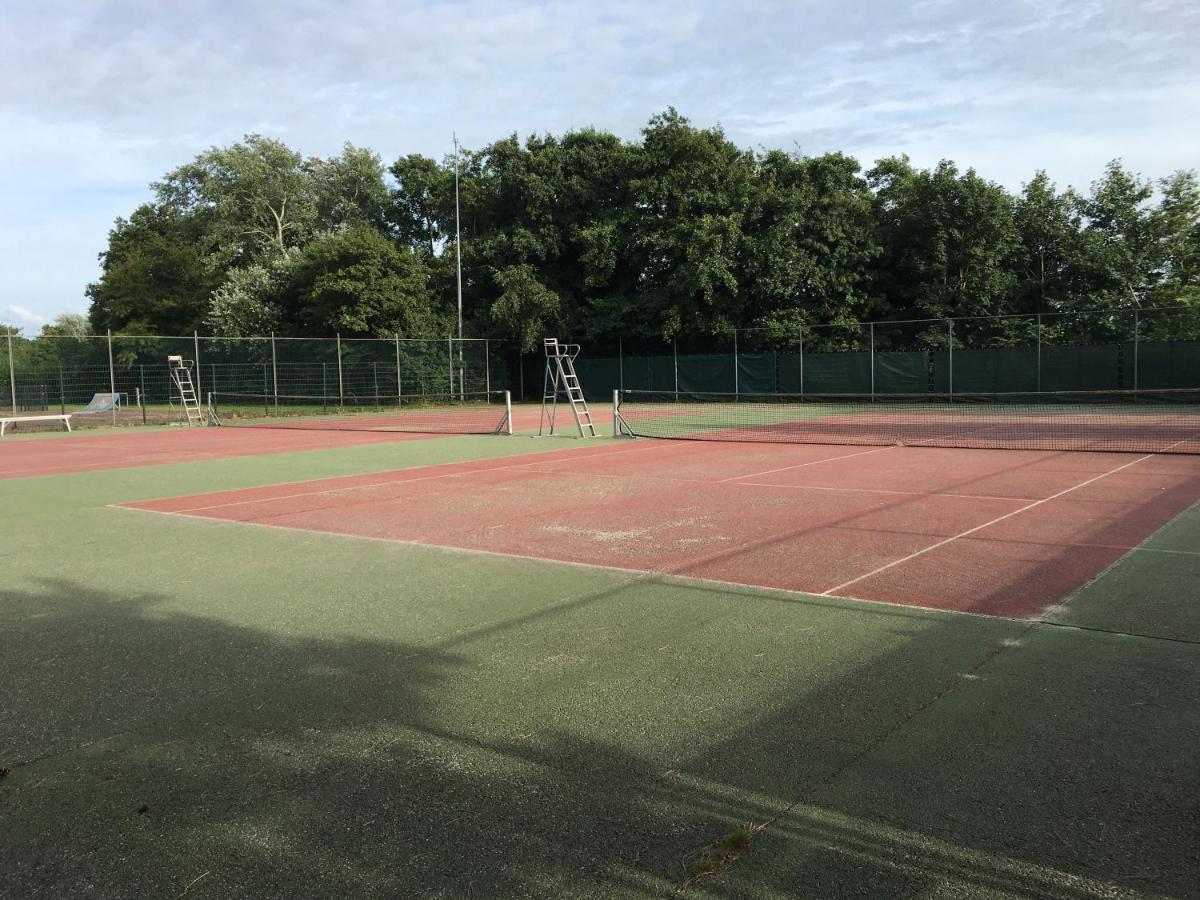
(680, 234)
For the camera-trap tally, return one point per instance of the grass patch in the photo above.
(720, 854)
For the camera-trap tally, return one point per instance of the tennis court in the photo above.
(322, 654)
(995, 532)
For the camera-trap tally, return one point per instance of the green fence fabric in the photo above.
(1085, 368)
(757, 373)
(1171, 364)
(706, 372)
(835, 373)
(996, 370)
(901, 372)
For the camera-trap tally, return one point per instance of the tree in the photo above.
(253, 197)
(155, 275)
(1045, 257)
(350, 190)
(1175, 226)
(358, 283)
(72, 325)
(422, 203)
(1119, 257)
(526, 308)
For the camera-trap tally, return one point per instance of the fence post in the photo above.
(1039, 353)
(675, 357)
(736, 388)
(12, 374)
(341, 386)
(266, 394)
(950, 351)
(62, 393)
(142, 402)
(112, 377)
(801, 365)
(621, 363)
(324, 387)
(274, 374)
(872, 329)
(450, 363)
(487, 366)
(399, 377)
(196, 350)
(1136, 324)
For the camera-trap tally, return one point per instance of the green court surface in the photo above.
(198, 708)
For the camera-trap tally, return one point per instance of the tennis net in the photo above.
(1166, 421)
(482, 412)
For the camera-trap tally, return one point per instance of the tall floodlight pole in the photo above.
(458, 261)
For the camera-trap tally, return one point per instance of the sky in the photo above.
(98, 99)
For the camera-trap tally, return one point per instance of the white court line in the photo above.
(994, 521)
(813, 462)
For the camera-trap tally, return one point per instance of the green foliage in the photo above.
(359, 284)
(677, 233)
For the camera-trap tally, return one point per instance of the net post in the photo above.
(12, 373)
(508, 412)
(274, 373)
(112, 378)
(341, 386)
(616, 412)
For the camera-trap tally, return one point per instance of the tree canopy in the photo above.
(677, 233)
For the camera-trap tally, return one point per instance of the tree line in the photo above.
(678, 234)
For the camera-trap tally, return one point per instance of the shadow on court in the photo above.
(589, 748)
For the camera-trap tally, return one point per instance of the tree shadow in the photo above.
(160, 754)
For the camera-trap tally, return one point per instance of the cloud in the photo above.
(25, 318)
(99, 99)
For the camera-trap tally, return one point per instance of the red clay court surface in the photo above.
(60, 454)
(998, 532)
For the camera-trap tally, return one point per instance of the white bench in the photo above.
(5, 421)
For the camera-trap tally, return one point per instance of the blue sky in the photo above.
(97, 99)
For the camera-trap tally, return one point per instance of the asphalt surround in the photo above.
(194, 708)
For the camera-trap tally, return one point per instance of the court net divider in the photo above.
(1144, 421)
(457, 412)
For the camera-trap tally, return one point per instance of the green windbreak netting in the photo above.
(901, 372)
(707, 372)
(598, 377)
(1171, 364)
(827, 373)
(1000, 369)
(757, 372)
(1085, 368)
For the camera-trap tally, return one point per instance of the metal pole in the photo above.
(450, 363)
(62, 393)
(341, 387)
(801, 363)
(274, 373)
(621, 363)
(266, 395)
(872, 362)
(950, 350)
(12, 374)
(142, 391)
(324, 386)
(1039, 353)
(112, 376)
(487, 365)
(675, 356)
(196, 348)
(736, 387)
(1136, 324)
(399, 379)
(457, 245)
